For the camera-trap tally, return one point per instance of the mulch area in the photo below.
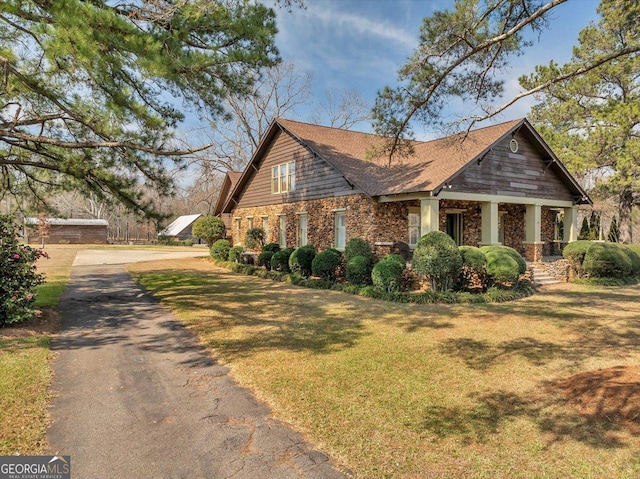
(611, 395)
(46, 322)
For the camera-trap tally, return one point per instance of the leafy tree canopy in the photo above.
(89, 88)
(461, 56)
(593, 120)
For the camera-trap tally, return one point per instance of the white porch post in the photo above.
(490, 223)
(533, 222)
(429, 215)
(533, 235)
(570, 224)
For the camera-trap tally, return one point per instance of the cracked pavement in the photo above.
(136, 396)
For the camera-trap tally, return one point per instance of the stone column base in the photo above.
(533, 251)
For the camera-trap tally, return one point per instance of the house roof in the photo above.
(178, 225)
(67, 222)
(228, 185)
(432, 164)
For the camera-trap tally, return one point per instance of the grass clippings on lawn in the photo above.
(402, 390)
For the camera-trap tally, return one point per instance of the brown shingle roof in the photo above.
(431, 165)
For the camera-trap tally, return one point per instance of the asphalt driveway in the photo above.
(135, 396)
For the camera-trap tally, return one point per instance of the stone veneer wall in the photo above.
(380, 222)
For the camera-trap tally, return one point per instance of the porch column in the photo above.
(429, 215)
(533, 236)
(490, 221)
(570, 224)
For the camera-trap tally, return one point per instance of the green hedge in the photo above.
(301, 259)
(235, 253)
(608, 260)
(358, 270)
(326, 264)
(220, 250)
(264, 259)
(358, 247)
(474, 268)
(574, 253)
(386, 275)
(280, 260)
(437, 257)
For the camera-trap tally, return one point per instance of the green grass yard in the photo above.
(398, 390)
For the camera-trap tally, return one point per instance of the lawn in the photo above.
(25, 361)
(546, 387)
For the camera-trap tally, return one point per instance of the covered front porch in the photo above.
(526, 224)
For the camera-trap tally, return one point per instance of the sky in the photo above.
(361, 44)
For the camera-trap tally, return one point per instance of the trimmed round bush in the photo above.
(502, 268)
(301, 259)
(474, 268)
(575, 252)
(358, 270)
(220, 250)
(607, 260)
(634, 256)
(517, 257)
(235, 253)
(280, 260)
(357, 247)
(397, 258)
(273, 247)
(264, 259)
(387, 274)
(437, 257)
(325, 264)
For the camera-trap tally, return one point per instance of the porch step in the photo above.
(540, 275)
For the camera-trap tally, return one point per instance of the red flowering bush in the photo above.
(18, 276)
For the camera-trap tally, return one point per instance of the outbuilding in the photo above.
(66, 231)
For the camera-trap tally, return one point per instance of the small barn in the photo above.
(180, 228)
(67, 231)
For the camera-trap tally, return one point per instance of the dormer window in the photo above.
(283, 177)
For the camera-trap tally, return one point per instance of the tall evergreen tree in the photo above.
(593, 121)
(89, 88)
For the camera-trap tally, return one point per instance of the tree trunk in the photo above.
(625, 205)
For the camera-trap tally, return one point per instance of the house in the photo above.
(502, 184)
(180, 228)
(67, 231)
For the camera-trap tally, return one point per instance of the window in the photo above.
(265, 227)
(283, 177)
(340, 230)
(282, 231)
(249, 222)
(414, 229)
(454, 227)
(303, 228)
(237, 235)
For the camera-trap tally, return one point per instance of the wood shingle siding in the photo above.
(526, 173)
(315, 178)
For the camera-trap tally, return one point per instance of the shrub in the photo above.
(273, 247)
(326, 263)
(634, 256)
(607, 260)
(502, 268)
(301, 259)
(474, 268)
(358, 270)
(220, 250)
(264, 259)
(437, 257)
(386, 275)
(209, 228)
(517, 257)
(255, 238)
(357, 247)
(574, 253)
(397, 258)
(280, 260)
(235, 254)
(18, 276)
